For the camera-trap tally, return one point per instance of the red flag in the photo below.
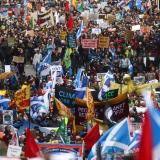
(92, 137)
(31, 149)
(67, 6)
(145, 151)
(70, 23)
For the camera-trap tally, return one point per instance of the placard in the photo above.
(7, 68)
(71, 38)
(96, 31)
(111, 94)
(103, 42)
(14, 151)
(18, 59)
(136, 28)
(63, 35)
(7, 117)
(139, 79)
(89, 43)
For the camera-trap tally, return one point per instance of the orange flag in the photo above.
(90, 105)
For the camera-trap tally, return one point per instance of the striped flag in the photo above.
(80, 30)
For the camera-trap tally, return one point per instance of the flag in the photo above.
(77, 82)
(107, 80)
(74, 3)
(31, 23)
(62, 130)
(70, 23)
(45, 18)
(31, 149)
(92, 137)
(80, 30)
(80, 8)
(138, 4)
(115, 140)
(150, 140)
(22, 97)
(63, 110)
(90, 105)
(4, 103)
(14, 140)
(67, 58)
(67, 6)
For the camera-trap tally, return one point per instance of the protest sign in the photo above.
(7, 117)
(136, 28)
(7, 68)
(89, 43)
(100, 76)
(14, 151)
(96, 31)
(18, 59)
(65, 95)
(63, 35)
(139, 79)
(129, 35)
(11, 41)
(103, 42)
(111, 94)
(71, 38)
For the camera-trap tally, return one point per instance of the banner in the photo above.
(89, 43)
(7, 117)
(18, 59)
(71, 38)
(14, 151)
(65, 95)
(103, 42)
(74, 151)
(81, 112)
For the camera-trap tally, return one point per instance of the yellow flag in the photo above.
(63, 110)
(74, 3)
(22, 97)
(90, 105)
(3, 92)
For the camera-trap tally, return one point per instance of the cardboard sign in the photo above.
(71, 38)
(63, 35)
(136, 28)
(14, 151)
(7, 117)
(103, 42)
(18, 59)
(129, 35)
(11, 41)
(89, 43)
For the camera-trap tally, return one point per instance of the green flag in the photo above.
(62, 130)
(67, 58)
(81, 8)
(31, 23)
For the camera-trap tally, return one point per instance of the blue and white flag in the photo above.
(80, 30)
(115, 140)
(107, 79)
(4, 103)
(77, 81)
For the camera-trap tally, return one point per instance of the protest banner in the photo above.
(129, 35)
(136, 27)
(14, 151)
(103, 42)
(89, 43)
(63, 35)
(7, 117)
(65, 95)
(71, 38)
(60, 150)
(18, 59)
(11, 41)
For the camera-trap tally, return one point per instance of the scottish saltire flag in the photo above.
(4, 103)
(115, 140)
(45, 64)
(107, 80)
(121, 3)
(138, 4)
(80, 92)
(77, 81)
(80, 30)
(150, 139)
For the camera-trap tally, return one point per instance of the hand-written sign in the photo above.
(18, 59)
(89, 43)
(103, 42)
(71, 38)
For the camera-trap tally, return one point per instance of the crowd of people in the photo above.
(134, 52)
